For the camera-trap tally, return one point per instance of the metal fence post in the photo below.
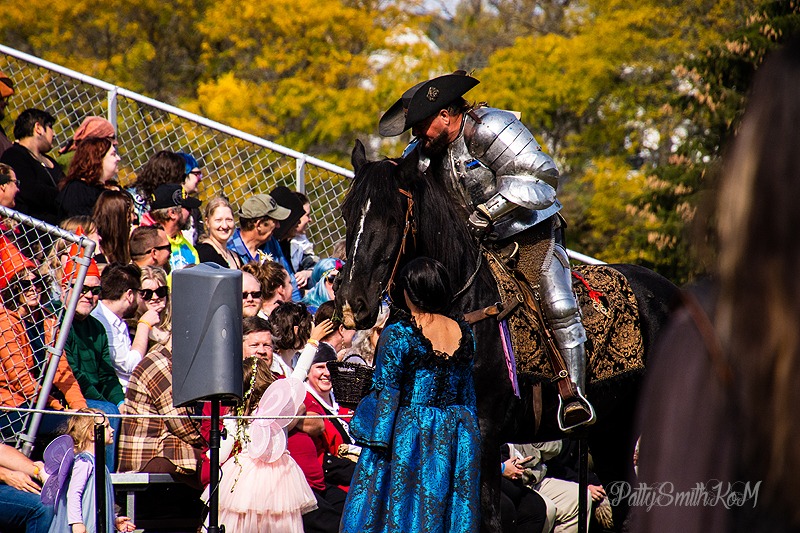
(100, 476)
(112, 107)
(301, 174)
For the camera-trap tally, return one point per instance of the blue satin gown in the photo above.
(419, 468)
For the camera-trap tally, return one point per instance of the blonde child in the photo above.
(75, 511)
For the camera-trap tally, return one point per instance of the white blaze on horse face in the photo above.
(364, 212)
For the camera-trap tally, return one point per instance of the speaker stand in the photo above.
(213, 489)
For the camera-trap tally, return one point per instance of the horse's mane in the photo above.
(376, 181)
(441, 230)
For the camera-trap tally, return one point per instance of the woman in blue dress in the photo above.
(418, 426)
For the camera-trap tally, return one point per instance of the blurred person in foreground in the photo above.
(730, 413)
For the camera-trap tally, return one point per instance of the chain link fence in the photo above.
(235, 164)
(34, 322)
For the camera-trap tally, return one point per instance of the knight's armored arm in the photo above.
(526, 176)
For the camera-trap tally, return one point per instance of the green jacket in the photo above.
(88, 356)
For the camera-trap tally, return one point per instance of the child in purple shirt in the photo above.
(76, 513)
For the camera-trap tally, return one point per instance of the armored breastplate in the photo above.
(467, 175)
(474, 183)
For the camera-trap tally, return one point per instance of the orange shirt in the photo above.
(17, 383)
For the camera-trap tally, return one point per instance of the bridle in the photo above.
(410, 226)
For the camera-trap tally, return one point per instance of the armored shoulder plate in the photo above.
(501, 142)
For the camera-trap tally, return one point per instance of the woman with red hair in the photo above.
(94, 164)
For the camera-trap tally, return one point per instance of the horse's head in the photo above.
(374, 211)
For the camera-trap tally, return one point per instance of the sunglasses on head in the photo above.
(160, 292)
(255, 294)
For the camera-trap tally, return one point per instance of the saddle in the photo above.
(609, 312)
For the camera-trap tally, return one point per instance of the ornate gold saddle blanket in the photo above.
(610, 316)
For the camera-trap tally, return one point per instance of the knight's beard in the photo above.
(437, 145)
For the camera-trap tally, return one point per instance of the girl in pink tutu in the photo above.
(262, 489)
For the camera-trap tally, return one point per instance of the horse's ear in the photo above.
(359, 156)
(409, 165)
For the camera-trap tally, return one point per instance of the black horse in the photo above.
(379, 224)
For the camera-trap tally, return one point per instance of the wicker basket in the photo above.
(351, 381)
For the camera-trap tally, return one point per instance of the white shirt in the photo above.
(123, 357)
(302, 365)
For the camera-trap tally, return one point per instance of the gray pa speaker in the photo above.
(206, 334)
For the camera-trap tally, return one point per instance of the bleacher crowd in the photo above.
(118, 354)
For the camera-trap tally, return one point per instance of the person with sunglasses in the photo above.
(193, 174)
(154, 295)
(150, 246)
(119, 300)
(251, 294)
(26, 332)
(87, 348)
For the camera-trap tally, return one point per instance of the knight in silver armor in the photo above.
(499, 174)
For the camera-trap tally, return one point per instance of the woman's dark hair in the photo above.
(163, 167)
(283, 320)
(759, 255)
(427, 284)
(112, 217)
(87, 164)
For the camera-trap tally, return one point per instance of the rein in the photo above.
(409, 225)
